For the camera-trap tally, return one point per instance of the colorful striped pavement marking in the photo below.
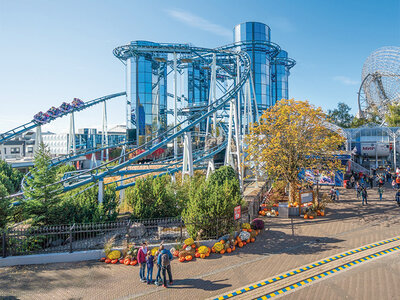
(332, 271)
(298, 271)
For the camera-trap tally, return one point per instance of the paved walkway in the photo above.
(285, 245)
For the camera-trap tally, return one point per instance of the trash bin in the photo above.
(345, 183)
(283, 210)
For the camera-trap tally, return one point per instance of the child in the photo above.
(158, 276)
(337, 194)
(380, 192)
(150, 265)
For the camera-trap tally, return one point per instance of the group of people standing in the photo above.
(162, 258)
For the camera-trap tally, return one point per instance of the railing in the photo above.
(26, 240)
(358, 168)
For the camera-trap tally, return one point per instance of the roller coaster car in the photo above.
(77, 103)
(41, 117)
(65, 107)
(54, 112)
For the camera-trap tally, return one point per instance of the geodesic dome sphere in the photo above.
(381, 77)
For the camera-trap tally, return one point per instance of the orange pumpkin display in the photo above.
(229, 250)
(182, 259)
(193, 246)
(207, 254)
(197, 254)
(213, 250)
(176, 253)
(188, 257)
(249, 230)
(103, 259)
(222, 242)
(107, 261)
(121, 261)
(222, 251)
(322, 213)
(252, 240)
(114, 261)
(311, 217)
(248, 241)
(133, 262)
(240, 244)
(233, 248)
(202, 256)
(127, 261)
(305, 216)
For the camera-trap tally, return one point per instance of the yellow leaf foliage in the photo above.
(291, 136)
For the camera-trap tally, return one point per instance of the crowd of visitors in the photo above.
(362, 182)
(162, 258)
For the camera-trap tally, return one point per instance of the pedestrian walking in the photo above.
(398, 197)
(333, 194)
(337, 194)
(380, 192)
(141, 258)
(150, 265)
(398, 182)
(358, 190)
(393, 184)
(364, 195)
(352, 181)
(164, 260)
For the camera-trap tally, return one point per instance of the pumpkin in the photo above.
(229, 250)
(133, 262)
(222, 242)
(107, 261)
(209, 250)
(248, 241)
(222, 251)
(202, 256)
(127, 261)
(213, 250)
(114, 261)
(322, 213)
(183, 246)
(207, 254)
(239, 239)
(246, 226)
(218, 247)
(249, 230)
(193, 246)
(121, 261)
(233, 248)
(197, 254)
(305, 216)
(102, 259)
(260, 212)
(244, 229)
(182, 259)
(176, 253)
(277, 213)
(252, 240)
(188, 258)
(235, 243)
(240, 244)
(311, 217)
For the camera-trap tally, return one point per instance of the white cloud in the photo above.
(198, 22)
(345, 80)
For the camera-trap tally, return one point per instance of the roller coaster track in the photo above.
(109, 169)
(33, 124)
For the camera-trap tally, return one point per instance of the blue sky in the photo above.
(53, 51)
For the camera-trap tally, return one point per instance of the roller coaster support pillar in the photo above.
(100, 195)
(129, 104)
(104, 134)
(212, 96)
(39, 139)
(228, 154)
(71, 140)
(187, 165)
(394, 151)
(210, 168)
(254, 97)
(238, 126)
(175, 105)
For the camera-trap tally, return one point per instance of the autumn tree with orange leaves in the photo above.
(292, 136)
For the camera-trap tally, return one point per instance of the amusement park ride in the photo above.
(197, 134)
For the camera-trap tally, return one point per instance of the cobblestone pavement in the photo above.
(284, 245)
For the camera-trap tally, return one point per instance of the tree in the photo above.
(10, 178)
(341, 115)
(392, 118)
(292, 136)
(42, 191)
(4, 207)
(211, 203)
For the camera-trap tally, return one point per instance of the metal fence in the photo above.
(25, 240)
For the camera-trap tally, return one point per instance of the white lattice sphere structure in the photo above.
(381, 79)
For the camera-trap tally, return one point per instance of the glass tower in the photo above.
(146, 95)
(279, 77)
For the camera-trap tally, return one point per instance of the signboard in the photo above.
(237, 212)
(305, 197)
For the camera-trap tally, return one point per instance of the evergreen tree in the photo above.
(41, 191)
(4, 207)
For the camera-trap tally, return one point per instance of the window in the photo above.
(15, 150)
(30, 149)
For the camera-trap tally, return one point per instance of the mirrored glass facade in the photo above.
(279, 77)
(147, 94)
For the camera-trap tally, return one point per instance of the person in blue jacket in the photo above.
(164, 260)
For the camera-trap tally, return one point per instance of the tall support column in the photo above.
(212, 97)
(104, 134)
(71, 140)
(228, 154)
(237, 127)
(254, 97)
(93, 161)
(210, 167)
(187, 165)
(129, 103)
(39, 139)
(100, 194)
(175, 105)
